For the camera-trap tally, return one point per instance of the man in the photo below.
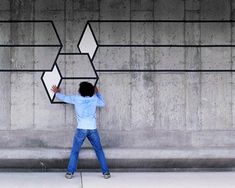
(85, 108)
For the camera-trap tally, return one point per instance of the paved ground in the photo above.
(123, 180)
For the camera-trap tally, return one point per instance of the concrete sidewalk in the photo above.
(123, 180)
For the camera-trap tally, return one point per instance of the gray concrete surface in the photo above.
(161, 180)
(44, 180)
(156, 111)
(125, 180)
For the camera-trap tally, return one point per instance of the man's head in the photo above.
(86, 89)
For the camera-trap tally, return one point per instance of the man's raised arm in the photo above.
(62, 97)
(100, 98)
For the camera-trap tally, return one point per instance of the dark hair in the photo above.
(86, 89)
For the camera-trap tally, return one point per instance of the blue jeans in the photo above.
(78, 140)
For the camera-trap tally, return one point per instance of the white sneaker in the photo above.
(68, 175)
(107, 175)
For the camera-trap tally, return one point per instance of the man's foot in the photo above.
(68, 175)
(107, 175)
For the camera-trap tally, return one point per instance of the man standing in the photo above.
(85, 108)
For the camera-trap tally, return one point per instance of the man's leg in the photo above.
(94, 139)
(79, 137)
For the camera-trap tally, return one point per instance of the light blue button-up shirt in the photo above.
(85, 108)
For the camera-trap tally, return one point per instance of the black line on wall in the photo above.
(30, 45)
(164, 70)
(167, 45)
(170, 21)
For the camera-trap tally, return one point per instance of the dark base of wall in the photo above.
(121, 165)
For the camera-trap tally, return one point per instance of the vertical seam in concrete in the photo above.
(99, 111)
(153, 64)
(231, 66)
(34, 67)
(200, 78)
(65, 23)
(11, 65)
(130, 83)
(64, 49)
(81, 179)
(154, 75)
(185, 74)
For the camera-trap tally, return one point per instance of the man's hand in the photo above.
(96, 90)
(55, 89)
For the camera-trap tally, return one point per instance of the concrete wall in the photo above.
(159, 112)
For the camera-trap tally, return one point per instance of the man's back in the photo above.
(85, 108)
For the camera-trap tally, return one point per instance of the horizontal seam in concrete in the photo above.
(126, 153)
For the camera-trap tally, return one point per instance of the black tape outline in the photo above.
(68, 78)
(55, 65)
(80, 39)
(91, 63)
(104, 45)
(60, 45)
(169, 46)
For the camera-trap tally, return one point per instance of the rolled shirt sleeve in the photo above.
(65, 98)
(100, 100)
